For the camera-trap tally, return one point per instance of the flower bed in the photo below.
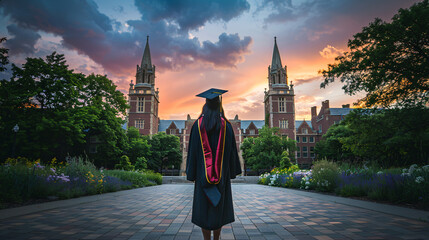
(25, 181)
(409, 186)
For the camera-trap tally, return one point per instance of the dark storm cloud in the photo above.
(330, 19)
(23, 40)
(228, 45)
(84, 29)
(191, 14)
(284, 11)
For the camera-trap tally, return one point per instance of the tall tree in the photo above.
(165, 151)
(265, 151)
(388, 61)
(4, 57)
(331, 146)
(58, 110)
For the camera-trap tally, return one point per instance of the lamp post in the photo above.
(15, 129)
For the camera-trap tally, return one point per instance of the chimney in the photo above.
(313, 112)
(346, 105)
(325, 104)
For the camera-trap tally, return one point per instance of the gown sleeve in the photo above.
(235, 166)
(191, 162)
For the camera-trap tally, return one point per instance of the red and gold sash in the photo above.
(213, 167)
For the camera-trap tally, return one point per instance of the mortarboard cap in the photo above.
(212, 194)
(212, 93)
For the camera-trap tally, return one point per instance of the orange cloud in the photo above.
(331, 52)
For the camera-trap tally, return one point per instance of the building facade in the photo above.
(279, 106)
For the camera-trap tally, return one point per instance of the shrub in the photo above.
(124, 164)
(138, 179)
(141, 163)
(285, 160)
(325, 175)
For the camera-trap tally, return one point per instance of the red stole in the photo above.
(212, 166)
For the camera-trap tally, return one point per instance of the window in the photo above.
(312, 139)
(297, 139)
(327, 118)
(252, 132)
(304, 139)
(298, 152)
(304, 152)
(282, 105)
(139, 123)
(320, 128)
(140, 104)
(94, 139)
(283, 123)
(93, 149)
(312, 152)
(304, 130)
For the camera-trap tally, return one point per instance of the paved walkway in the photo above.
(164, 212)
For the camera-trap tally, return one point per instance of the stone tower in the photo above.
(143, 98)
(279, 100)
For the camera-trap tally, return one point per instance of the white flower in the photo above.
(306, 187)
(426, 168)
(404, 170)
(379, 172)
(405, 174)
(419, 179)
(307, 183)
(412, 168)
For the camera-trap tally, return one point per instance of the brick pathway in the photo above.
(163, 212)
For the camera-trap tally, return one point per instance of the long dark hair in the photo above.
(211, 114)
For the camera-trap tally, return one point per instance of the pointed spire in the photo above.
(276, 63)
(146, 60)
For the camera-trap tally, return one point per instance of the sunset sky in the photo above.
(197, 44)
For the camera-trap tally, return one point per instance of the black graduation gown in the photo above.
(204, 214)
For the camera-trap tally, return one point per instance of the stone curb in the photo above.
(378, 207)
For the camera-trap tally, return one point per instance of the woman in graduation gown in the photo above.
(212, 161)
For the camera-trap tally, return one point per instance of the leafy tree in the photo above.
(139, 147)
(165, 151)
(390, 137)
(4, 58)
(389, 61)
(124, 164)
(285, 160)
(332, 147)
(133, 133)
(266, 150)
(141, 163)
(385, 137)
(58, 111)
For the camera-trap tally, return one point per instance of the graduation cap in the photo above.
(212, 93)
(212, 194)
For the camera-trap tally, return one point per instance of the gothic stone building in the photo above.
(279, 102)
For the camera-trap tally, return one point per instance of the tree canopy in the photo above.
(388, 60)
(58, 111)
(387, 137)
(165, 151)
(267, 150)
